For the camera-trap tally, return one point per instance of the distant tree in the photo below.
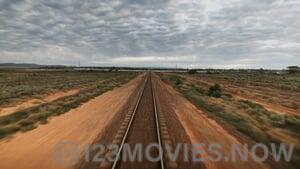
(192, 71)
(261, 70)
(293, 69)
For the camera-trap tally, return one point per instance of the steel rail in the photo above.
(129, 126)
(130, 123)
(161, 153)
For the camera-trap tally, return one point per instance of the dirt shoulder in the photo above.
(36, 148)
(202, 129)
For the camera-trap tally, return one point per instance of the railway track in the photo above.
(141, 125)
(141, 121)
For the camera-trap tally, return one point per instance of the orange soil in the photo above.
(36, 149)
(279, 109)
(202, 129)
(269, 106)
(34, 102)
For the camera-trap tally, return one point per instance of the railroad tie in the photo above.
(166, 139)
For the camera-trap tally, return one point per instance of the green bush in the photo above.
(178, 81)
(215, 91)
(293, 121)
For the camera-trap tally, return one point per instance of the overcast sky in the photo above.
(193, 33)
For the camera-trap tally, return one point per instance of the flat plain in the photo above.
(38, 109)
(29, 98)
(256, 107)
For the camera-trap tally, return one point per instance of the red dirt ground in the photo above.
(36, 149)
(247, 95)
(202, 129)
(34, 102)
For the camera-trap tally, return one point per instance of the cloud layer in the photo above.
(193, 33)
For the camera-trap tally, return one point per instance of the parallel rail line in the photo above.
(159, 141)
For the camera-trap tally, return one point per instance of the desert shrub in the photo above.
(227, 95)
(27, 128)
(293, 121)
(26, 122)
(242, 105)
(39, 116)
(204, 105)
(251, 104)
(215, 91)
(196, 89)
(234, 120)
(176, 80)
(4, 131)
(15, 117)
(44, 121)
(29, 119)
(277, 119)
(199, 90)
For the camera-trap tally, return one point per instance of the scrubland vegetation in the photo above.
(282, 90)
(250, 120)
(19, 85)
(22, 85)
(280, 81)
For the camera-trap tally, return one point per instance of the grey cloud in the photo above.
(202, 33)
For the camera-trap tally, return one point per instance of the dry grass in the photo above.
(18, 86)
(265, 87)
(249, 119)
(28, 119)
